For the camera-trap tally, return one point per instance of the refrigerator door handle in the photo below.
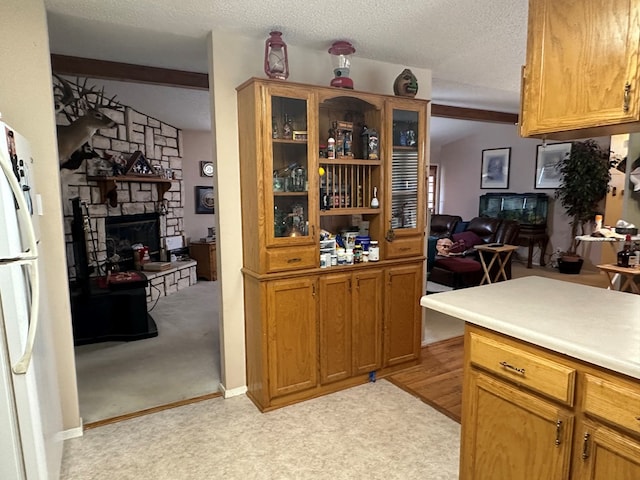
(28, 258)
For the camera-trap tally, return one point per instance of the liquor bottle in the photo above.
(287, 128)
(331, 148)
(625, 254)
(274, 128)
(634, 259)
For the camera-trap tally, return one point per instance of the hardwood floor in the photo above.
(437, 380)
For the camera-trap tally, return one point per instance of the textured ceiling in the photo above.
(474, 49)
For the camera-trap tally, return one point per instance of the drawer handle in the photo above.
(511, 367)
(585, 446)
(294, 260)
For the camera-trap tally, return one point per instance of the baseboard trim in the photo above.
(72, 432)
(233, 392)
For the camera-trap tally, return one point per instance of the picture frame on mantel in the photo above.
(495, 168)
(204, 200)
(547, 159)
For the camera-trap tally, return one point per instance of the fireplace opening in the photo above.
(122, 232)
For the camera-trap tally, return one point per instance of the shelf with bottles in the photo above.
(288, 120)
(349, 187)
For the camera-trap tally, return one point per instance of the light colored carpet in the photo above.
(183, 361)
(372, 431)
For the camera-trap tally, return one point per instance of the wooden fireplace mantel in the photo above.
(108, 185)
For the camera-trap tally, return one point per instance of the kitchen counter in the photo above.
(598, 326)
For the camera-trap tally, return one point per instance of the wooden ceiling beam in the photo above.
(128, 72)
(461, 113)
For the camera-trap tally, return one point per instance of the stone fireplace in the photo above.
(142, 211)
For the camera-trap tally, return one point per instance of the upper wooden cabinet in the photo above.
(581, 77)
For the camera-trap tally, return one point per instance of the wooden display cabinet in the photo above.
(577, 83)
(205, 254)
(311, 330)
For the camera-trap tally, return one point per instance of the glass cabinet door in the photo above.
(407, 168)
(289, 205)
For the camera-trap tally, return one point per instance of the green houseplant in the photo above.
(584, 182)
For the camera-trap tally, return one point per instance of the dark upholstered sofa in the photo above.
(466, 270)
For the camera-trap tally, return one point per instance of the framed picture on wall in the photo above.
(547, 159)
(205, 202)
(206, 169)
(495, 168)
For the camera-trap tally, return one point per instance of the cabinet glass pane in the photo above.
(290, 187)
(404, 170)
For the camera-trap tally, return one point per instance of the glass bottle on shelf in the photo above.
(625, 254)
(274, 128)
(287, 128)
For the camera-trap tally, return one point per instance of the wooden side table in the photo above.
(628, 274)
(205, 254)
(497, 255)
(532, 239)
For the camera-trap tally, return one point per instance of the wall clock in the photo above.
(206, 169)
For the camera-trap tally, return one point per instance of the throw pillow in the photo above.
(468, 238)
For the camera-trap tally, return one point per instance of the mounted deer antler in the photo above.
(84, 125)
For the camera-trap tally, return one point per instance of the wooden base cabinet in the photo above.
(514, 434)
(291, 335)
(350, 324)
(205, 254)
(530, 413)
(315, 334)
(403, 319)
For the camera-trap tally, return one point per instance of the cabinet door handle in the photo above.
(294, 260)
(585, 446)
(558, 431)
(511, 367)
(627, 94)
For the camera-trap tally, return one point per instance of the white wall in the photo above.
(460, 163)
(196, 148)
(234, 59)
(26, 103)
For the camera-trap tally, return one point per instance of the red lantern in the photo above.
(341, 52)
(276, 63)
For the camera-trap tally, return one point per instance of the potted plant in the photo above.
(584, 182)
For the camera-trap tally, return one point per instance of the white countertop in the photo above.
(598, 326)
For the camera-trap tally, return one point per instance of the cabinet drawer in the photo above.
(405, 247)
(619, 404)
(279, 259)
(535, 372)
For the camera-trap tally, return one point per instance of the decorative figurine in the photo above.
(406, 84)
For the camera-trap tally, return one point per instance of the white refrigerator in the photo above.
(24, 447)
